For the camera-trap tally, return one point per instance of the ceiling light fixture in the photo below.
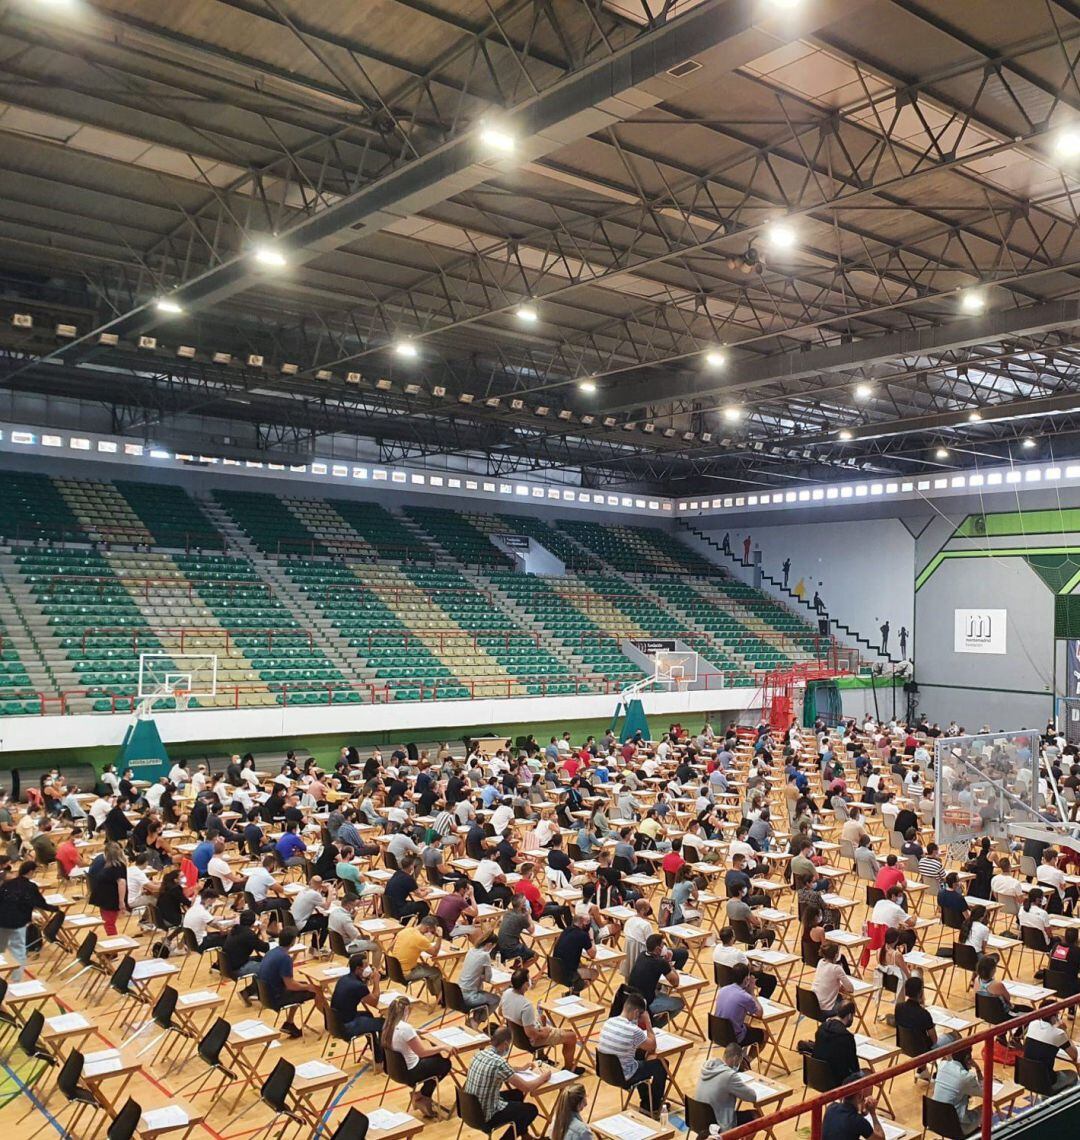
(587, 386)
(974, 417)
(863, 391)
(495, 139)
(1067, 143)
(845, 434)
(528, 314)
(1029, 442)
(165, 305)
(972, 301)
(268, 256)
(781, 236)
(715, 358)
(942, 453)
(407, 349)
(732, 414)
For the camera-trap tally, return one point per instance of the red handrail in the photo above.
(985, 1037)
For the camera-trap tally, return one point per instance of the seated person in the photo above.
(425, 1064)
(488, 1072)
(650, 968)
(726, 953)
(721, 1084)
(571, 946)
(834, 1044)
(416, 948)
(959, 1079)
(954, 907)
(1047, 1039)
(847, 1119)
(356, 1002)
(739, 911)
(516, 1007)
(282, 989)
(912, 1014)
(736, 1002)
(831, 986)
(515, 923)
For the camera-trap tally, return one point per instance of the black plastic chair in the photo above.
(396, 1071)
(520, 1038)
(912, 1042)
(806, 1002)
(721, 1031)
(337, 948)
(267, 1002)
(84, 957)
(120, 983)
(741, 929)
(209, 1050)
(950, 918)
(335, 1031)
(1035, 1076)
(28, 1042)
(609, 1071)
(162, 1015)
(698, 1115)
(126, 1122)
(942, 1119)
(67, 1081)
(275, 1093)
(470, 1113)
(1061, 983)
(874, 895)
(354, 1126)
(453, 999)
(965, 957)
(396, 975)
(721, 974)
(817, 1075)
(991, 1009)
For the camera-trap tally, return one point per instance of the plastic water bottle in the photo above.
(665, 1114)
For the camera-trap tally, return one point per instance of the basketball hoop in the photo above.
(182, 698)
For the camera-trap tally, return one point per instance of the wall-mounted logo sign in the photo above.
(979, 631)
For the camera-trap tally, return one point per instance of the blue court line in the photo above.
(39, 1105)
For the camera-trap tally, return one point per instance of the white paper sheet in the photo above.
(67, 1022)
(454, 1036)
(626, 1128)
(310, 1069)
(171, 1116)
(382, 1119)
(197, 996)
(26, 989)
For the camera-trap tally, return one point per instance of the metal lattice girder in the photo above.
(868, 152)
(587, 99)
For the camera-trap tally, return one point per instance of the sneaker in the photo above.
(293, 1031)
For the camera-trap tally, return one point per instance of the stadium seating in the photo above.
(343, 601)
(457, 536)
(638, 549)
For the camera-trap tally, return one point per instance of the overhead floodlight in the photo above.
(66, 331)
(588, 421)
(706, 437)
(148, 342)
(290, 369)
(668, 432)
(439, 391)
(715, 358)
(412, 389)
(972, 301)
(407, 349)
(466, 398)
(528, 314)
(609, 421)
(222, 358)
(1067, 143)
(270, 257)
(565, 414)
(844, 435)
(974, 417)
(1029, 442)
(187, 351)
(384, 385)
(493, 401)
(23, 320)
(587, 386)
(863, 391)
(542, 410)
(324, 374)
(498, 140)
(942, 453)
(781, 236)
(168, 305)
(110, 340)
(517, 405)
(255, 360)
(353, 377)
(732, 414)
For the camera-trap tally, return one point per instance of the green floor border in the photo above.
(1003, 552)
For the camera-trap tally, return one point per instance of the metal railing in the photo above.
(815, 1106)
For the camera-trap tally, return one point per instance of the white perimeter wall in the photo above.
(55, 733)
(866, 568)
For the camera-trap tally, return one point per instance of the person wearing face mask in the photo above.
(356, 1002)
(19, 898)
(488, 1073)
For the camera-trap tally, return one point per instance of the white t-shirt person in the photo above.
(889, 914)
